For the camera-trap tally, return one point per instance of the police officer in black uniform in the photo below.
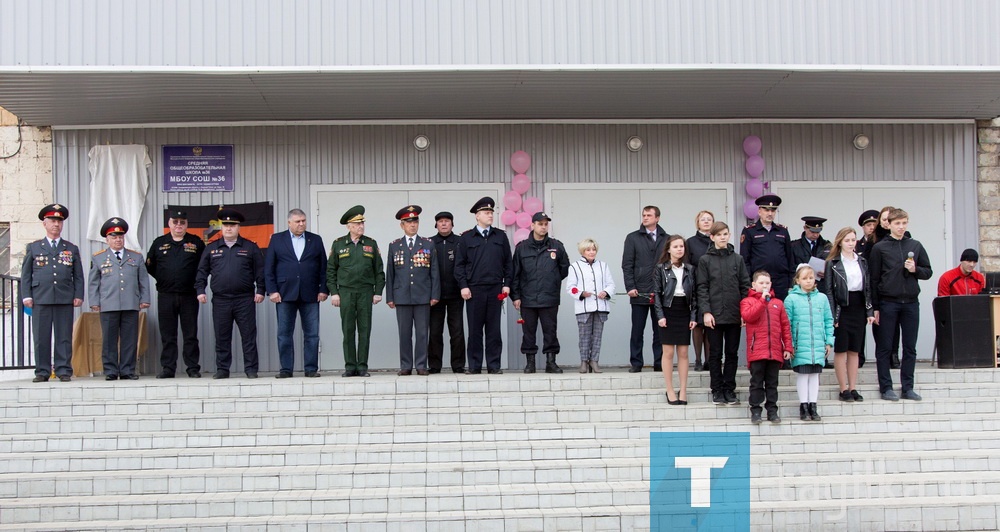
(766, 245)
(173, 261)
(483, 269)
(812, 245)
(450, 306)
(236, 266)
(868, 221)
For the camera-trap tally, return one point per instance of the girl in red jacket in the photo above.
(769, 341)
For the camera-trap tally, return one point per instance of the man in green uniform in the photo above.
(356, 278)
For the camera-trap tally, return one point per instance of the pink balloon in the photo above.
(523, 220)
(750, 209)
(755, 165)
(508, 217)
(520, 235)
(532, 205)
(755, 188)
(512, 200)
(751, 145)
(521, 183)
(520, 161)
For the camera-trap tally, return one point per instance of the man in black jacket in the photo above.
(451, 304)
(897, 263)
(642, 250)
(540, 265)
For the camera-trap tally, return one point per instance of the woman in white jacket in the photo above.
(590, 285)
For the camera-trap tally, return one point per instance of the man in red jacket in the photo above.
(769, 342)
(963, 280)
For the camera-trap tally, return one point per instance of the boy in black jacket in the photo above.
(897, 263)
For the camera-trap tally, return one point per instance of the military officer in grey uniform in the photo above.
(51, 285)
(119, 289)
(412, 286)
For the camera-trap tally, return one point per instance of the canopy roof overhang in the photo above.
(155, 95)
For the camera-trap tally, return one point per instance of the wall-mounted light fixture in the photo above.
(421, 142)
(862, 141)
(634, 143)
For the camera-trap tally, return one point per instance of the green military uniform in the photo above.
(355, 273)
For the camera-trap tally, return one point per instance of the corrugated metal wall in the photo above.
(279, 163)
(497, 32)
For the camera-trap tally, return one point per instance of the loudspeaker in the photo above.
(964, 332)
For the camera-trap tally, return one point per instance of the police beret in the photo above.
(444, 214)
(53, 211)
(768, 200)
(177, 215)
(539, 216)
(114, 226)
(871, 215)
(485, 203)
(814, 223)
(230, 216)
(354, 214)
(410, 212)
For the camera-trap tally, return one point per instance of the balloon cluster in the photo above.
(519, 211)
(755, 167)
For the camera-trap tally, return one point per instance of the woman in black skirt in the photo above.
(673, 303)
(849, 291)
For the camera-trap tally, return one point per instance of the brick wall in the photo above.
(989, 194)
(25, 182)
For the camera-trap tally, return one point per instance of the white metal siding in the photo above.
(280, 163)
(498, 32)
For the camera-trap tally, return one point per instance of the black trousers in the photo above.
(412, 319)
(483, 312)
(225, 311)
(639, 314)
(120, 329)
(764, 385)
(48, 321)
(723, 339)
(171, 308)
(548, 316)
(450, 310)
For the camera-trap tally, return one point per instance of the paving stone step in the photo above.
(476, 416)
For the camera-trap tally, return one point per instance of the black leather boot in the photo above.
(529, 366)
(813, 414)
(550, 364)
(804, 411)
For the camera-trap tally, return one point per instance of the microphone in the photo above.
(909, 256)
(767, 297)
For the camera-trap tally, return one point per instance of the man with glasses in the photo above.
(766, 245)
(119, 289)
(173, 261)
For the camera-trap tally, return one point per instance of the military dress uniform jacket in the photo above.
(355, 266)
(236, 271)
(116, 286)
(412, 276)
(770, 251)
(447, 252)
(52, 276)
(174, 264)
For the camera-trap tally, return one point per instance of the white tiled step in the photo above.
(877, 513)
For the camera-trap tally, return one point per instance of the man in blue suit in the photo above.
(295, 278)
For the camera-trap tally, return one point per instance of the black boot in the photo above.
(804, 411)
(550, 364)
(813, 414)
(529, 366)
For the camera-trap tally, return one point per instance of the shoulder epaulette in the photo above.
(750, 225)
(132, 250)
(96, 253)
(776, 224)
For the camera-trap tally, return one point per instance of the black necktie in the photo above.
(119, 255)
(52, 243)
(409, 243)
(486, 233)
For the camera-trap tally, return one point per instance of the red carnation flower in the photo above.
(575, 291)
(501, 296)
(520, 321)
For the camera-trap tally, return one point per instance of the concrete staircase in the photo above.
(487, 452)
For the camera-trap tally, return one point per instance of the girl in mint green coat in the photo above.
(812, 336)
